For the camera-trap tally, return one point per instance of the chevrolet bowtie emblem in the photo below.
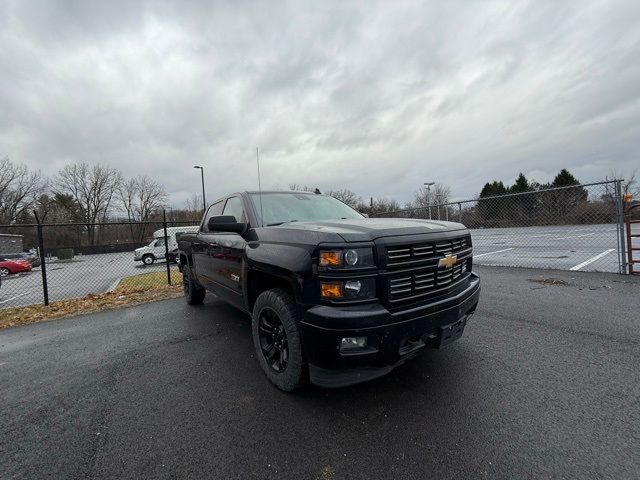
(448, 261)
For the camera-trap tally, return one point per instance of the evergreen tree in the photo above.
(567, 200)
(564, 179)
(521, 185)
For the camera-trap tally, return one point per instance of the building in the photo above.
(10, 243)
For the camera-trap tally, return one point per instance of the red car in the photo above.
(13, 266)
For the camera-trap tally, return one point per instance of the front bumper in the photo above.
(392, 337)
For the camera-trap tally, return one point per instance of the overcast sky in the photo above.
(375, 97)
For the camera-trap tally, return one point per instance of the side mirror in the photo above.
(226, 223)
(365, 215)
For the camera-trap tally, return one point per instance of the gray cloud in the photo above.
(376, 97)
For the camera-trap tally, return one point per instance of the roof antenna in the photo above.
(259, 188)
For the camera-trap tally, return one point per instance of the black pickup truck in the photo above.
(335, 297)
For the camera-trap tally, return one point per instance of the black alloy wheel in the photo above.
(273, 340)
(277, 340)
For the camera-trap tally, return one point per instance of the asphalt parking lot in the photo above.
(544, 384)
(574, 247)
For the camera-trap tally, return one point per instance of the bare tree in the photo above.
(300, 188)
(194, 205)
(631, 185)
(429, 200)
(141, 197)
(19, 190)
(93, 188)
(438, 194)
(379, 207)
(346, 196)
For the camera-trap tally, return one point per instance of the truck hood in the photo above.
(369, 229)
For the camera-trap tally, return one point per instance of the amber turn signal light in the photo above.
(330, 290)
(330, 258)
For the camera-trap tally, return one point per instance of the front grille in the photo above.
(407, 254)
(423, 282)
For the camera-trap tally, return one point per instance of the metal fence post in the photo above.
(43, 265)
(166, 245)
(622, 250)
(459, 212)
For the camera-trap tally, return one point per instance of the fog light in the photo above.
(352, 343)
(353, 287)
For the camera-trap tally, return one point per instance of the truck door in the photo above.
(204, 249)
(227, 263)
(158, 247)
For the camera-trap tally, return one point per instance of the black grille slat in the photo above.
(426, 277)
(422, 283)
(407, 254)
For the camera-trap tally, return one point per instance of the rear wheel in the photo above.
(276, 339)
(148, 259)
(193, 293)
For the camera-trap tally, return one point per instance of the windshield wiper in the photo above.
(280, 223)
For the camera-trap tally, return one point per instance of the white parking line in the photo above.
(591, 260)
(12, 298)
(575, 236)
(491, 253)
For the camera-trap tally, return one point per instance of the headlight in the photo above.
(361, 289)
(348, 258)
(351, 257)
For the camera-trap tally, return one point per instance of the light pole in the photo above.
(428, 185)
(439, 200)
(204, 201)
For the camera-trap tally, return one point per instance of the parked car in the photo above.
(156, 250)
(335, 298)
(32, 258)
(13, 266)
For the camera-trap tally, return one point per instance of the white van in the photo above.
(156, 249)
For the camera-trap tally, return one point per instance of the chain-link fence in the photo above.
(572, 228)
(43, 263)
(578, 227)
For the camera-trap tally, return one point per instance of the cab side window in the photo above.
(235, 209)
(214, 210)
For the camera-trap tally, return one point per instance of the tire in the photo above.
(276, 339)
(4, 271)
(148, 259)
(193, 293)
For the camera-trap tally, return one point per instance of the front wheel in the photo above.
(148, 259)
(4, 271)
(276, 339)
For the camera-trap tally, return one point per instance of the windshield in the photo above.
(300, 207)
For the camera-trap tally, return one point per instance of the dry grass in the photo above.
(133, 290)
(549, 281)
(148, 280)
